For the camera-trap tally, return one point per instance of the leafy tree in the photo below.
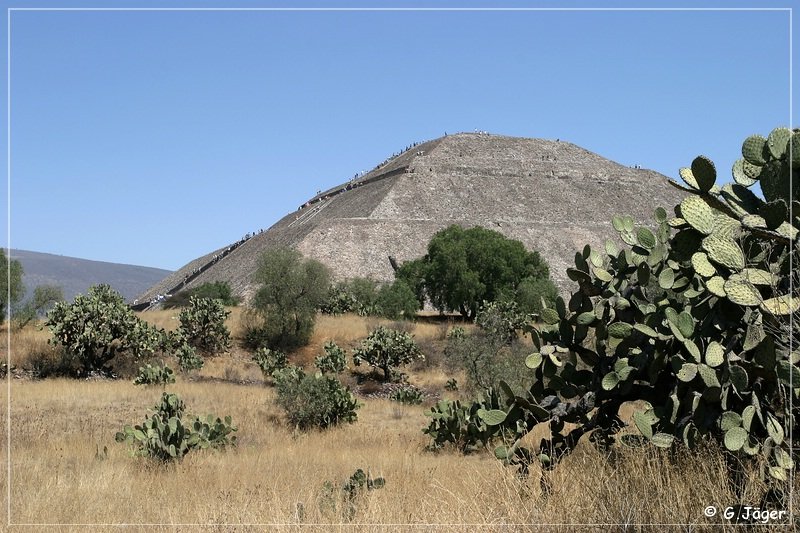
(9, 294)
(397, 300)
(464, 267)
(97, 327)
(387, 349)
(44, 297)
(292, 288)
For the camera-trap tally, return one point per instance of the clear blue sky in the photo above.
(153, 137)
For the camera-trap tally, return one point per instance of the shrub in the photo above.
(97, 327)
(270, 361)
(216, 290)
(165, 437)
(408, 395)
(696, 326)
(291, 290)
(451, 385)
(314, 401)
(387, 349)
(333, 361)
(501, 320)
(203, 325)
(44, 297)
(154, 375)
(534, 294)
(486, 360)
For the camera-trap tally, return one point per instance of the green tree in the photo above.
(397, 300)
(44, 297)
(292, 288)
(464, 267)
(11, 293)
(216, 290)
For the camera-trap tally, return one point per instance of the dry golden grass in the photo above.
(274, 479)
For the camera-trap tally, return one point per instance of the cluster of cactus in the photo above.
(314, 400)
(188, 358)
(333, 361)
(468, 428)
(697, 326)
(387, 349)
(165, 437)
(270, 361)
(408, 395)
(98, 326)
(451, 385)
(358, 484)
(203, 325)
(154, 375)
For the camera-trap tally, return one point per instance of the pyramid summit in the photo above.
(552, 195)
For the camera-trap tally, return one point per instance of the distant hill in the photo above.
(552, 195)
(75, 275)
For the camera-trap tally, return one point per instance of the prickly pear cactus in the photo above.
(696, 321)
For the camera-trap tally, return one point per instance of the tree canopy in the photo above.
(464, 267)
(11, 293)
(291, 290)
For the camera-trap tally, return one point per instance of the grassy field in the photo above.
(66, 469)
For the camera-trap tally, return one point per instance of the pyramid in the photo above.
(552, 195)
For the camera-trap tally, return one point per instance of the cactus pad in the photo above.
(715, 354)
(688, 177)
(724, 252)
(704, 172)
(781, 305)
(702, 266)
(740, 176)
(753, 149)
(735, 438)
(698, 214)
(742, 292)
(778, 141)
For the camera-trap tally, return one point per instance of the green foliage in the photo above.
(408, 395)
(697, 326)
(451, 385)
(203, 325)
(292, 288)
(44, 297)
(487, 357)
(270, 360)
(11, 287)
(215, 290)
(463, 426)
(397, 300)
(367, 297)
(333, 361)
(387, 349)
(188, 358)
(535, 294)
(314, 401)
(465, 267)
(154, 375)
(99, 326)
(501, 320)
(165, 437)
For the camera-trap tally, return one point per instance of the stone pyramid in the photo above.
(553, 196)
